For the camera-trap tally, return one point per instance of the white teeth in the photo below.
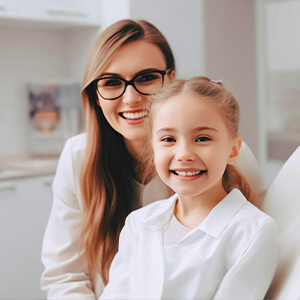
(184, 174)
(134, 116)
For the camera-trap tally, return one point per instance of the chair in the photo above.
(282, 203)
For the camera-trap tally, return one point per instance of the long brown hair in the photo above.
(212, 92)
(108, 170)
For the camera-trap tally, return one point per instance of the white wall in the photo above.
(25, 55)
(112, 11)
(182, 22)
(35, 54)
(230, 55)
(207, 37)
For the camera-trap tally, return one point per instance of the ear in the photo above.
(234, 155)
(172, 75)
(98, 101)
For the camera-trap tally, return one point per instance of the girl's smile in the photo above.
(188, 174)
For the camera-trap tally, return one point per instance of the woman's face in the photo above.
(126, 114)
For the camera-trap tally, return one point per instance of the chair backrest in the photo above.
(282, 203)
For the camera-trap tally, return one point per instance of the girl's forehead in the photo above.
(186, 112)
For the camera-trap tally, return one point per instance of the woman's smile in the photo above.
(134, 116)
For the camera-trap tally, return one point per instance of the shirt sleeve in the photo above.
(65, 275)
(118, 285)
(251, 275)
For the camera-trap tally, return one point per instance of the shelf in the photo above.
(47, 22)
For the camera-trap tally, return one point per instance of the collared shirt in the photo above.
(232, 254)
(66, 274)
(174, 232)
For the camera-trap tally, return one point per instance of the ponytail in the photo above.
(232, 178)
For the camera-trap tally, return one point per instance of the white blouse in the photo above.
(66, 275)
(174, 232)
(232, 254)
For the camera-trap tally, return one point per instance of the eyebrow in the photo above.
(136, 74)
(202, 128)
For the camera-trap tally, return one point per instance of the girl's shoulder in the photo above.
(154, 214)
(250, 218)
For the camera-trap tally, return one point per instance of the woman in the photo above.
(96, 183)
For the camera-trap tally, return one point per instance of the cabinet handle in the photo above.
(8, 188)
(65, 13)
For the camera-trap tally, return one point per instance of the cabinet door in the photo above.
(8, 7)
(25, 207)
(61, 10)
(10, 215)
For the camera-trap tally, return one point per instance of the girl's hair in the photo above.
(108, 170)
(213, 92)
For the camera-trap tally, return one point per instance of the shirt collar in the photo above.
(214, 224)
(220, 216)
(160, 217)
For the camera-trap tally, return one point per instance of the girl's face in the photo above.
(126, 114)
(192, 147)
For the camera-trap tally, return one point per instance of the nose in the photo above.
(184, 152)
(131, 97)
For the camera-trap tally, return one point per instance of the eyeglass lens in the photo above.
(147, 83)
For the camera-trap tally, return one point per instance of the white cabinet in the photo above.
(69, 11)
(24, 210)
(7, 7)
(278, 78)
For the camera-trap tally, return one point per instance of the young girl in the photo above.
(206, 241)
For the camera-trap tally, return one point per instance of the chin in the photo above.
(137, 135)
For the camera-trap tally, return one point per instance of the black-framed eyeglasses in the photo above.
(146, 83)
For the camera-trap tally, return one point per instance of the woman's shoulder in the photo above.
(72, 153)
(77, 142)
(66, 182)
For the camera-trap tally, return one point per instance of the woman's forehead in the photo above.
(135, 56)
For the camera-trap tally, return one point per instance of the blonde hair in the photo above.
(212, 92)
(108, 170)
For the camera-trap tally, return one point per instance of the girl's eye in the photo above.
(203, 139)
(168, 139)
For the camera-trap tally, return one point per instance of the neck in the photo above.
(191, 211)
(135, 148)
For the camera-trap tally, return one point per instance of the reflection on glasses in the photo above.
(145, 83)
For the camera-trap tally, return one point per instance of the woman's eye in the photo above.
(146, 78)
(168, 139)
(203, 139)
(111, 82)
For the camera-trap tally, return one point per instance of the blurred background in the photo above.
(44, 44)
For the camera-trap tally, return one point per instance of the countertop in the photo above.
(22, 166)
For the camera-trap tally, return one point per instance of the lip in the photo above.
(133, 121)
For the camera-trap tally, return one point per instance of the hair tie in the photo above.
(219, 81)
